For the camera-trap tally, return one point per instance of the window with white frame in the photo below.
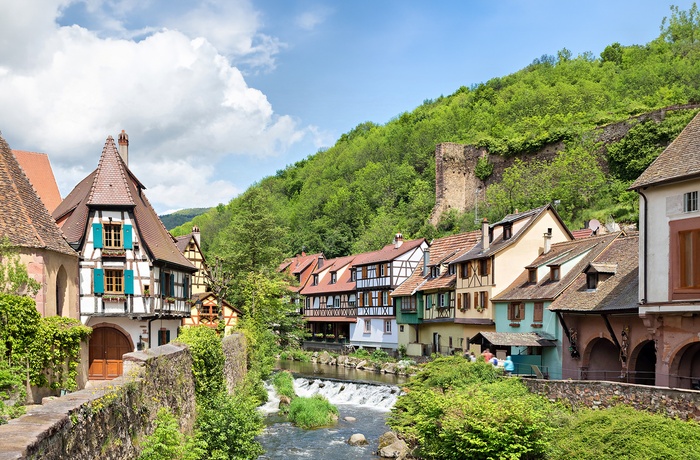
(387, 326)
(368, 326)
(385, 298)
(690, 201)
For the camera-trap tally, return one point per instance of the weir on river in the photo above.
(368, 403)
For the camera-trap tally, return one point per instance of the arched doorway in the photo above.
(643, 365)
(61, 288)
(685, 370)
(107, 346)
(603, 361)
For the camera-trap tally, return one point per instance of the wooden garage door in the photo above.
(107, 346)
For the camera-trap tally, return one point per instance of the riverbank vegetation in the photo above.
(307, 413)
(454, 408)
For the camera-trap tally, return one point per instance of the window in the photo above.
(334, 277)
(365, 299)
(385, 298)
(689, 245)
(444, 300)
(368, 326)
(484, 267)
(351, 301)
(163, 336)
(329, 301)
(554, 273)
(516, 311)
(466, 301)
(167, 284)
(507, 231)
(382, 270)
(690, 201)
(532, 275)
(336, 302)
(408, 304)
(353, 275)
(434, 272)
(481, 300)
(451, 269)
(114, 281)
(112, 235)
(371, 271)
(315, 281)
(387, 326)
(537, 312)
(592, 280)
(463, 270)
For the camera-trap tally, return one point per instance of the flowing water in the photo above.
(369, 403)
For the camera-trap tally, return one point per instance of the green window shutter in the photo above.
(97, 235)
(128, 281)
(186, 287)
(162, 282)
(127, 237)
(172, 285)
(99, 280)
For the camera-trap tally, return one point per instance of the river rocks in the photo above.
(363, 365)
(389, 368)
(324, 357)
(390, 446)
(349, 419)
(284, 401)
(358, 439)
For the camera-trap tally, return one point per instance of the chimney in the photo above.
(124, 147)
(195, 234)
(320, 262)
(398, 240)
(485, 240)
(426, 259)
(547, 241)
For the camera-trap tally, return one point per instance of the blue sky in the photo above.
(217, 94)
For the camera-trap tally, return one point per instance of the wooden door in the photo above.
(107, 346)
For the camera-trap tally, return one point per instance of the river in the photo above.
(364, 395)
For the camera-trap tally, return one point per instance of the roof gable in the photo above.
(110, 187)
(37, 168)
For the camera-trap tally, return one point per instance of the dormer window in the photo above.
(592, 280)
(434, 272)
(554, 273)
(532, 275)
(451, 269)
(507, 231)
(334, 277)
(315, 281)
(690, 202)
(353, 276)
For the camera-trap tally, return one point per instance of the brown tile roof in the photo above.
(182, 242)
(387, 253)
(515, 339)
(38, 169)
(583, 233)
(680, 160)
(342, 284)
(545, 289)
(112, 178)
(24, 219)
(442, 251)
(619, 292)
(499, 244)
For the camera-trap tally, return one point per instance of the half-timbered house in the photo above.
(134, 282)
(376, 275)
(497, 259)
(300, 269)
(330, 305)
(190, 246)
(525, 327)
(425, 302)
(669, 258)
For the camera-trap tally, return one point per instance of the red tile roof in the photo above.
(38, 170)
(387, 253)
(113, 184)
(583, 233)
(680, 160)
(342, 284)
(24, 219)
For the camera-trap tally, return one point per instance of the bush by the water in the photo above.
(313, 412)
(283, 382)
(623, 432)
(295, 354)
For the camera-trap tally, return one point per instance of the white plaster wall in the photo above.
(377, 338)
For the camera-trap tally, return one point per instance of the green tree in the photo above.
(14, 278)
(682, 26)
(207, 360)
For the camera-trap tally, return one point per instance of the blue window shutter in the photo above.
(99, 280)
(128, 281)
(127, 237)
(172, 285)
(97, 235)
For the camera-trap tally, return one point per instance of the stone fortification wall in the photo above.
(456, 186)
(677, 403)
(236, 362)
(107, 420)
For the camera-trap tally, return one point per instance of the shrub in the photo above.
(623, 432)
(283, 382)
(313, 412)
(207, 359)
(167, 443)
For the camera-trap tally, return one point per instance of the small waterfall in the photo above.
(273, 401)
(338, 392)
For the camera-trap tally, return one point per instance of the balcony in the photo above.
(386, 310)
(331, 312)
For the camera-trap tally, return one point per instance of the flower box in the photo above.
(113, 298)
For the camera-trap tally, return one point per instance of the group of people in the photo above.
(508, 365)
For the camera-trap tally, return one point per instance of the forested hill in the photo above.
(380, 179)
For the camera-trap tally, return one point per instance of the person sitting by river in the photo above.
(508, 366)
(487, 355)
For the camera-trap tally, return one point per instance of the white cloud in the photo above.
(180, 99)
(308, 20)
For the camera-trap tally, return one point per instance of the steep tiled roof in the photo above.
(24, 219)
(112, 178)
(387, 253)
(442, 251)
(182, 241)
(619, 292)
(299, 263)
(680, 160)
(546, 289)
(499, 244)
(38, 169)
(342, 284)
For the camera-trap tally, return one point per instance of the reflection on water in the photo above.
(323, 371)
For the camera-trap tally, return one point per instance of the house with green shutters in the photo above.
(135, 284)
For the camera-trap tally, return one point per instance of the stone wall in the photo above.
(236, 363)
(682, 404)
(108, 419)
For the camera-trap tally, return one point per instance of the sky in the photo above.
(217, 94)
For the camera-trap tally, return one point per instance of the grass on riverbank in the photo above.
(313, 412)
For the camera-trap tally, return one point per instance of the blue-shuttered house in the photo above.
(134, 281)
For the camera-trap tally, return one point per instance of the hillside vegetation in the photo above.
(380, 179)
(177, 218)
